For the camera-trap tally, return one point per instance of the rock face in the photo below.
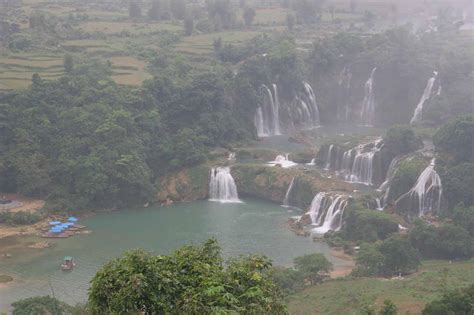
(183, 186)
(271, 183)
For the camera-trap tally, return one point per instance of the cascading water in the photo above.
(312, 162)
(343, 109)
(385, 186)
(333, 218)
(259, 123)
(231, 156)
(427, 191)
(282, 161)
(222, 186)
(317, 205)
(286, 201)
(267, 117)
(426, 96)
(314, 105)
(329, 157)
(363, 165)
(367, 114)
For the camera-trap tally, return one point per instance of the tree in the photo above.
(455, 139)
(401, 140)
(192, 280)
(178, 9)
(454, 302)
(400, 256)
(188, 26)
(389, 308)
(249, 15)
(463, 216)
(290, 21)
(314, 267)
(40, 305)
(134, 10)
(154, 12)
(68, 63)
(369, 261)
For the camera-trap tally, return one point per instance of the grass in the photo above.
(129, 70)
(110, 28)
(410, 294)
(203, 44)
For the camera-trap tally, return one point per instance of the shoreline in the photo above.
(344, 269)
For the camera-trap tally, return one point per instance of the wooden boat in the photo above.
(68, 263)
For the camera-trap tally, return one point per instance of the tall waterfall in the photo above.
(385, 186)
(426, 96)
(286, 201)
(314, 105)
(343, 108)
(332, 219)
(368, 104)
(427, 191)
(267, 117)
(222, 187)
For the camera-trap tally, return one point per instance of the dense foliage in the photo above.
(82, 141)
(192, 280)
(453, 302)
(19, 218)
(39, 306)
(401, 140)
(368, 225)
(391, 257)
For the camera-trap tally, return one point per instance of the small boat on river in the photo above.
(68, 263)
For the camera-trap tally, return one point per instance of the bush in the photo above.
(40, 305)
(456, 139)
(458, 182)
(19, 218)
(314, 267)
(455, 302)
(464, 217)
(288, 279)
(368, 225)
(405, 177)
(401, 140)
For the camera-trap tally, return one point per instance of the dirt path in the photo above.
(344, 269)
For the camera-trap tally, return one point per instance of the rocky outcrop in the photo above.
(183, 186)
(271, 183)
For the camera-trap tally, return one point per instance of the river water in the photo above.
(254, 226)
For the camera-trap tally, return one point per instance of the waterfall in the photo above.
(333, 217)
(222, 187)
(231, 156)
(314, 105)
(276, 108)
(286, 201)
(379, 204)
(259, 123)
(426, 96)
(343, 109)
(317, 204)
(368, 104)
(427, 191)
(267, 118)
(363, 165)
(385, 186)
(312, 162)
(282, 161)
(304, 113)
(329, 157)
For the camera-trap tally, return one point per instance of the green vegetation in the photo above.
(19, 218)
(368, 225)
(454, 302)
(5, 278)
(192, 280)
(405, 177)
(41, 305)
(410, 294)
(401, 140)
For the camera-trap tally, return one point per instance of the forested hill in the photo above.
(82, 141)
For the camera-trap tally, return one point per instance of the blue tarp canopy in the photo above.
(54, 222)
(68, 224)
(72, 219)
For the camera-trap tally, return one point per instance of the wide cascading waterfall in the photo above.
(314, 105)
(222, 186)
(367, 114)
(333, 215)
(286, 201)
(267, 117)
(426, 96)
(363, 166)
(426, 193)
